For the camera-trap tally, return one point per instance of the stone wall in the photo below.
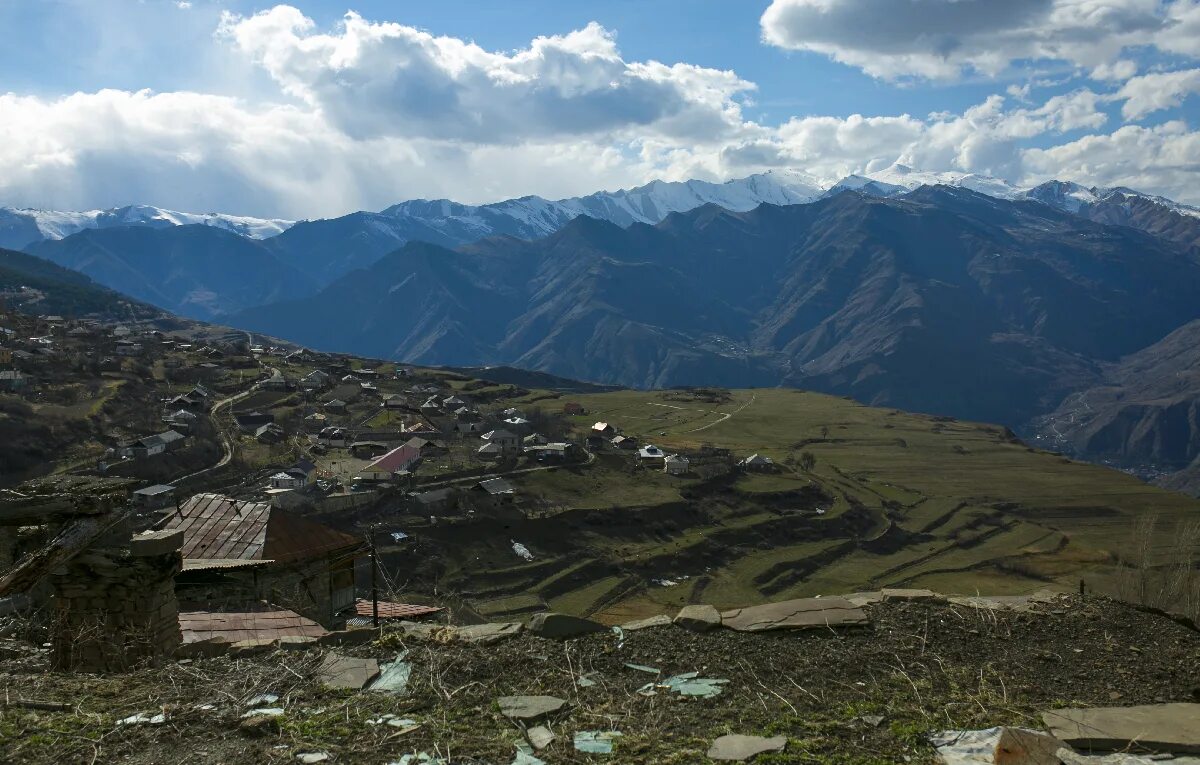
(115, 607)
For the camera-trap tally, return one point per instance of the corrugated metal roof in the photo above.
(391, 610)
(250, 623)
(397, 459)
(205, 564)
(220, 527)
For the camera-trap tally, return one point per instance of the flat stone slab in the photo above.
(481, 634)
(539, 737)
(1154, 727)
(802, 613)
(662, 620)
(1006, 602)
(1068, 756)
(486, 634)
(698, 618)
(349, 672)
(563, 626)
(529, 707)
(865, 598)
(735, 748)
(996, 746)
(893, 594)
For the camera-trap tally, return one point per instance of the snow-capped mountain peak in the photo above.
(22, 226)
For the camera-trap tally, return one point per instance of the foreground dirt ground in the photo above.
(867, 696)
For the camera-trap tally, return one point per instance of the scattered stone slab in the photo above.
(691, 684)
(563, 626)
(596, 741)
(701, 618)
(894, 594)
(487, 634)
(662, 620)
(525, 755)
(687, 684)
(1006, 602)
(480, 634)
(643, 668)
(1153, 727)
(312, 758)
(529, 707)
(996, 746)
(802, 613)
(347, 672)
(737, 748)
(1071, 757)
(539, 737)
(405, 724)
(393, 676)
(861, 599)
(143, 719)
(261, 699)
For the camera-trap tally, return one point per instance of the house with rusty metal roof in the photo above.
(236, 551)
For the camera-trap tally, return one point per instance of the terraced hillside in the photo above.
(889, 499)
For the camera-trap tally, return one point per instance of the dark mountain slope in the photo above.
(37, 285)
(1145, 410)
(943, 300)
(198, 271)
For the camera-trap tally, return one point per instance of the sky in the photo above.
(317, 108)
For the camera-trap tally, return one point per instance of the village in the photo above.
(293, 481)
(201, 500)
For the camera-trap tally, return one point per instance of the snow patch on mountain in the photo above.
(56, 224)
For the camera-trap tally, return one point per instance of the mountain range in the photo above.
(941, 299)
(310, 254)
(941, 292)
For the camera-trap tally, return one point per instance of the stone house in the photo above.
(237, 551)
(676, 464)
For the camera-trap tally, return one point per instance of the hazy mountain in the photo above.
(197, 271)
(1143, 411)
(20, 228)
(36, 285)
(940, 300)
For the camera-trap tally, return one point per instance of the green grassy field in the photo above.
(904, 500)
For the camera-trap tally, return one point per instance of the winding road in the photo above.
(226, 441)
(724, 415)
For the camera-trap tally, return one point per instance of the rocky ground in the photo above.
(868, 695)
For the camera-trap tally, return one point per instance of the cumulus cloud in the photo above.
(1154, 92)
(369, 113)
(389, 79)
(1164, 158)
(943, 38)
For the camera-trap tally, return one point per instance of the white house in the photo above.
(758, 462)
(287, 481)
(651, 454)
(508, 441)
(676, 464)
